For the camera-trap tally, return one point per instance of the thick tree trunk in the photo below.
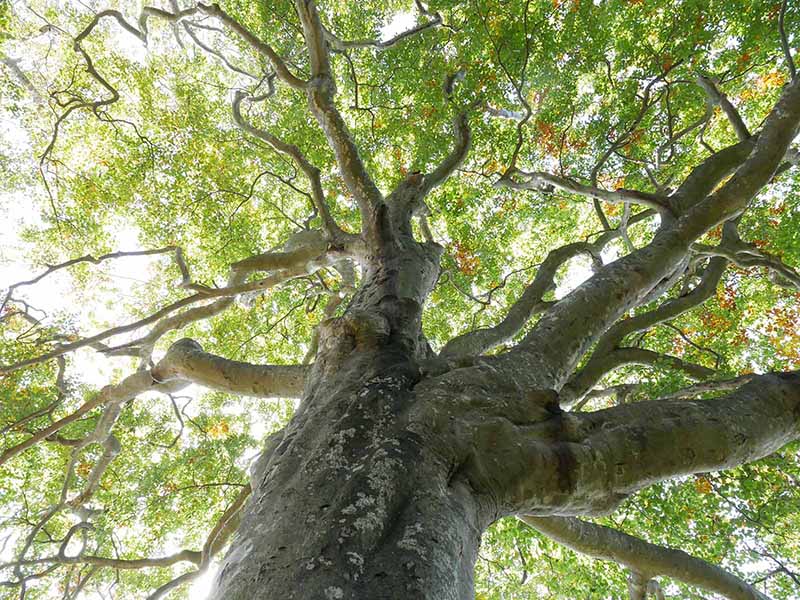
(353, 501)
(358, 497)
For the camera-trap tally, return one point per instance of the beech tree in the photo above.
(473, 292)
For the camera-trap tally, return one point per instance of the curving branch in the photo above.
(576, 463)
(96, 261)
(545, 182)
(530, 303)
(299, 261)
(311, 172)
(602, 359)
(721, 100)
(747, 255)
(787, 51)
(216, 540)
(261, 47)
(463, 141)
(339, 45)
(600, 365)
(562, 336)
(125, 564)
(115, 395)
(321, 91)
(646, 560)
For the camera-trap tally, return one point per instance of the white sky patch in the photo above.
(402, 21)
(579, 270)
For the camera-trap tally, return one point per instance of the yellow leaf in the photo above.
(219, 430)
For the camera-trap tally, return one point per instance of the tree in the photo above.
(397, 201)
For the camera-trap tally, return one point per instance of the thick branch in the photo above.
(599, 363)
(637, 444)
(642, 557)
(257, 44)
(188, 362)
(554, 346)
(578, 463)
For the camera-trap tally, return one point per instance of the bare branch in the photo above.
(125, 390)
(216, 540)
(747, 255)
(706, 387)
(125, 564)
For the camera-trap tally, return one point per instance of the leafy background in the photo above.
(166, 165)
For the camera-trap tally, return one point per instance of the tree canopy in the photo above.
(149, 154)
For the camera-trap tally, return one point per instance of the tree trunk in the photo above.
(354, 500)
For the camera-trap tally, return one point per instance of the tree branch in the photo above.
(480, 340)
(787, 52)
(545, 182)
(321, 91)
(747, 255)
(128, 388)
(551, 350)
(654, 440)
(575, 463)
(648, 560)
(256, 44)
(188, 362)
(291, 150)
(580, 383)
(340, 45)
(722, 101)
(578, 386)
